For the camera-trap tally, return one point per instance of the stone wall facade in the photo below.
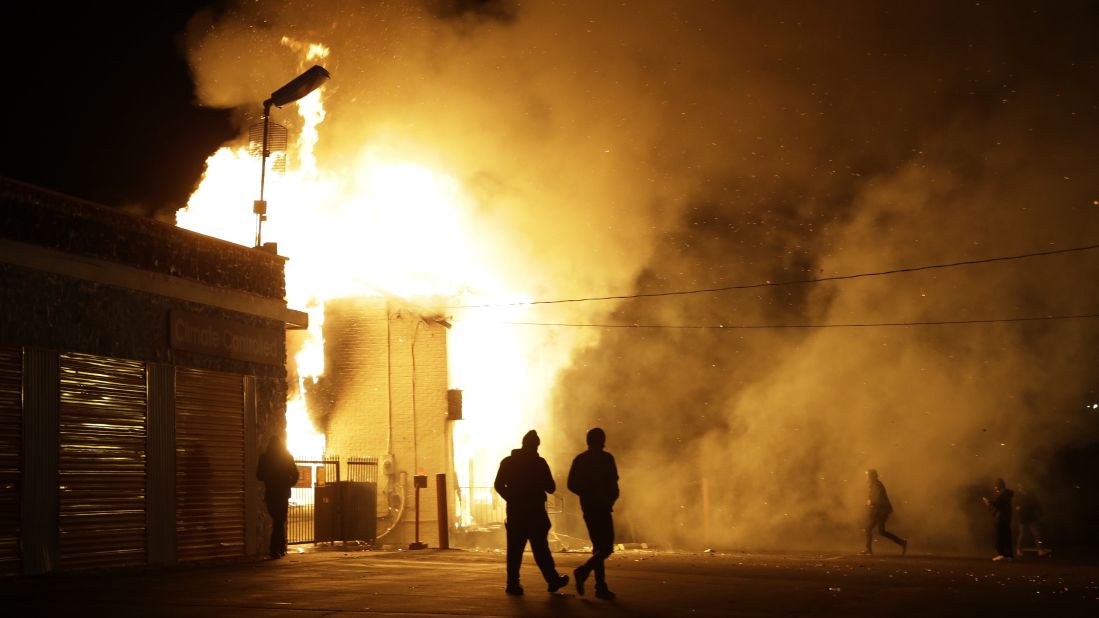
(81, 278)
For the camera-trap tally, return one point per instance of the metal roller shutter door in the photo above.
(11, 445)
(209, 465)
(101, 462)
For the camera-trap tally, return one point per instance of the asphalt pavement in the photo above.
(337, 582)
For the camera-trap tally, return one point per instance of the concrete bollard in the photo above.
(444, 518)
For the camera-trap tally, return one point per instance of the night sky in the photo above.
(676, 146)
(100, 104)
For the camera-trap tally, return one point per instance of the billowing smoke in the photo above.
(872, 147)
(666, 146)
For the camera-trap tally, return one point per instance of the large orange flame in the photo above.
(384, 222)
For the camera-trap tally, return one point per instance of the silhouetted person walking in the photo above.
(1000, 505)
(1029, 512)
(277, 470)
(878, 510)
(594, 477)
(523, 480)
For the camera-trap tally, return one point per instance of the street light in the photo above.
(293, 90)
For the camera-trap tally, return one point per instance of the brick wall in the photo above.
(385, 386)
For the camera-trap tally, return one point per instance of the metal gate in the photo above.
(101, 462)
(362, 469)
(359, 500)
(11, 451)
(324, 507)
(301, 517)
(210, 498)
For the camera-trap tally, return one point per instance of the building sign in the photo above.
(193, 332)
(305, 477)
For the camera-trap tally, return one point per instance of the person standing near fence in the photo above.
(277, 470)
(594, 477)
(523, 481)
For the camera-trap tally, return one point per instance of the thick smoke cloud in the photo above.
(505, 11)
(667, 146)
(966, 148)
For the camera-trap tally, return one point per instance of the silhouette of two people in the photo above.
(523, 480)
(594, 477)
(277, 470)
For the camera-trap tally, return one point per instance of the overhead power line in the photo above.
(1039, 318)
(769, 284)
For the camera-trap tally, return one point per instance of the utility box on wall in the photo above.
(454, 404)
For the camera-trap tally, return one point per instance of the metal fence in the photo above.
(337, 500)
(334, 502)
(480, 507)
(358, 502)
(312, 473)
(362, 469)
(481, 513)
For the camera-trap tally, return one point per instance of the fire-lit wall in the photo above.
(385, 389)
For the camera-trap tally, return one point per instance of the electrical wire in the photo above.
(1083, 316)
(767, 284)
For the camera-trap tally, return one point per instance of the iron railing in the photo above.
(334, 502)
(480, 508)
(362, 469)
(312, 473)
(480, 515)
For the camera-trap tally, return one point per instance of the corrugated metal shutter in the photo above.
(209, 464)
(101, 462)
(11, 444)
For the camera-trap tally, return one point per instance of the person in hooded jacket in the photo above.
(878, 510)
(523, 480)
(1000, 505)
(594, 477)
(277, 470)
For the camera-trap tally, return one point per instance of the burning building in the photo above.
(385, 395)
(372, 371)
(141, 368)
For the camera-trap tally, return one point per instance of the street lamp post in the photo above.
(295, 89)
